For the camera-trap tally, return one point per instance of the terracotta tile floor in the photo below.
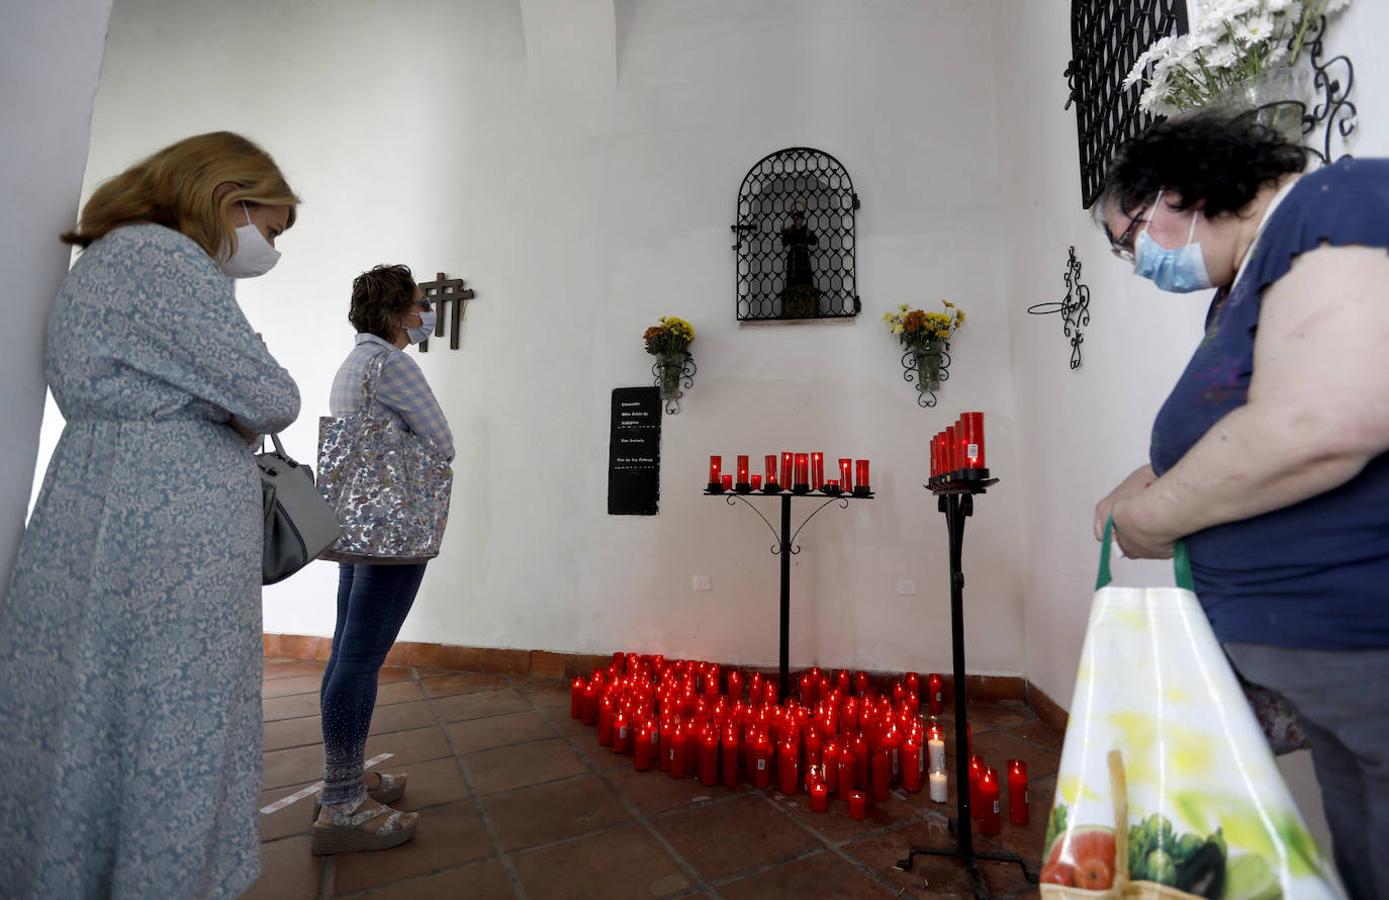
(518, 800)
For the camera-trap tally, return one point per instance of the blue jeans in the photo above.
(1342, 703)
(373, 602)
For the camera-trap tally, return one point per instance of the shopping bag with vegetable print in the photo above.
(1167, 787)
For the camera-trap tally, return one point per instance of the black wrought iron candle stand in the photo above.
(786, 547)
(955, 498)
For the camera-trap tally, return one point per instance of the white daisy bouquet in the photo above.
(1232, 42)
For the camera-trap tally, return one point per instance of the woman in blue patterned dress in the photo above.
(130, 638)
(1270, 458)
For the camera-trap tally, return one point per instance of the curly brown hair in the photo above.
(380, 297)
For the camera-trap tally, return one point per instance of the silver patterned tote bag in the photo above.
(389, 487)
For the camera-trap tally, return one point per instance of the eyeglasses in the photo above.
(1122, 246)
(425, 304)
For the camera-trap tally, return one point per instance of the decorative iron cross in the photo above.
(1074, 307)
(441, 292)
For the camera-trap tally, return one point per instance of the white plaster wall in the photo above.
(583, 196)
(50, 61)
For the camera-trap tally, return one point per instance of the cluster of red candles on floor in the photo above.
(959, 448)
(837, 735)
(797, 472)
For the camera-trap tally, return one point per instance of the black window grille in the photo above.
(1107, 37)
(795, 238)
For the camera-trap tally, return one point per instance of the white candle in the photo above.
(938, 787)
(937, 747)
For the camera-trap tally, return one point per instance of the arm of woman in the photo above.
(1317, 412)
(404, 389)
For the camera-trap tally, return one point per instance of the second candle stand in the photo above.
(955, 492)
(786, 547)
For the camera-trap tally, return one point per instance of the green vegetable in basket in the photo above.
(1161, 868)
(1187, 846)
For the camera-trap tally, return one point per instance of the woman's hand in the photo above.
(1129, 487)
(1136, 540)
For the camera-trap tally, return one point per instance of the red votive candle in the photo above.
(881, 773)
(679, 752)
(829, 764)
(976, 770)
(814, 746)
(735, 685)
(787, 476)
(757, 482)
(974, 441)
(832, 486)
(988, 798)
(728, 482)
(841, 678)
(647, 745)
(666, 744)
(952, 447)
(861, 480)
(788, 767)
(771, 469)
(730, 756)
(1017, 792)
(802, 470)
(846, 473)
(819, 797)
(807, 689)
(861, 763)
(592, 694)
(935, 689)
(817, 470)
(622, 732)
(715, 470)
(709, 757)
(933, 467)
(605, 721)
(858, 805)
(576, 698)
(742, 469)
(845, 781)
(912, 762)
(769, 692)
(761, 760)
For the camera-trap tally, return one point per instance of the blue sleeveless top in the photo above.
(1314, 575)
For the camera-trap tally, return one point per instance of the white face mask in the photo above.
(254, 256)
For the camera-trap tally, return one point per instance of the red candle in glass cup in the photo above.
(787, 476)
(666, 745)
(861, 683)
(861, 479)
(829, 764)
(742, 469)
(715, 470)
(841, 678)
(814, 746)
(817, 470)
(730, 756)
(832, 486)
(679, 752)
(757, 482)
(807, 688)
(788, 767)
(861, 762)
(935, 690)
(846, 473)
(605, 721)
(974, 441)
(709, 757)
(819, 797)
(769, 692)
(735, 685)
(858, 805)
(881, 774)
(592, 694)
(622, 732)
(1017, 792)
(802, 470)
(845, 782)
(988, 798)
(761, 760)
(770, 461)
(935, 447)
(728, 482)
(952, 462)
(576, 698)
(912, 762)
(647, 745)
(976, 769)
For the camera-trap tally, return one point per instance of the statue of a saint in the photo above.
(800, 298)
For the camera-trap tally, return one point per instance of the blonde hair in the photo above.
(176, 188)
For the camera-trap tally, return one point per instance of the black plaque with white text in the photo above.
(634, 452)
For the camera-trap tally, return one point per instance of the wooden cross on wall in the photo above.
(442, 292)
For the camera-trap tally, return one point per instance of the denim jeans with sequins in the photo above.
(373, 602)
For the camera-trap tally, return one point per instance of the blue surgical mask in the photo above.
(421, 333)
(1180, 270)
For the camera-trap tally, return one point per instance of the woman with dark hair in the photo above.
(390, 313)
(1269, 457)
(130, 639)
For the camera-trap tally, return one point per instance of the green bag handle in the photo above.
(1180, 561)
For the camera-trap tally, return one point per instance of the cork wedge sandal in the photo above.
(388, 790)
(360, 831)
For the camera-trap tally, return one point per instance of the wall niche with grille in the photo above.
(794, 239)
(1107, 37)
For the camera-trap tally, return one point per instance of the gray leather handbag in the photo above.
(299, 524)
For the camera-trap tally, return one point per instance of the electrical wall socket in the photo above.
(701, 583)
(906, 587)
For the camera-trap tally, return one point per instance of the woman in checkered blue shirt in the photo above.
(390, 313)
